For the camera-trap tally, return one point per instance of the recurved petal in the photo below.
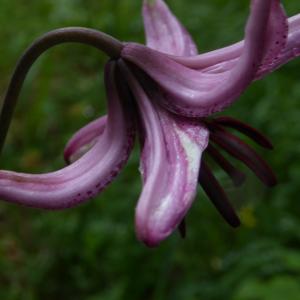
(171, 156)
(289, 52)
(84, 139)
(283, 46)
(194, 93)
(88, 175)
(277, 30)
(164, 32)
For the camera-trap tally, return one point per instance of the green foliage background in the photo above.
(91, 252)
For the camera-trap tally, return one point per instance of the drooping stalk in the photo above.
(103, 42)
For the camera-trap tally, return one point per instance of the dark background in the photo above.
(91, 252)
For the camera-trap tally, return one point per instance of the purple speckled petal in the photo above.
(164, 32)
(289, 52)
(88, 175)
(84, 139)
(194, 93)
(283, 46)
(277, 30)
(171, 156)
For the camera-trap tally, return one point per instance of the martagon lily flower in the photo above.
(166, 93)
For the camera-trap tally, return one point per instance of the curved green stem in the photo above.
(94, 38)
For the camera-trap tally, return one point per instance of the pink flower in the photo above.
(166, 92)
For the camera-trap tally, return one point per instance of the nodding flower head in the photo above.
(166, 94)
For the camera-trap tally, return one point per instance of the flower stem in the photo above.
(94, 38)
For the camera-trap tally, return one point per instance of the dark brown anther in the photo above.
(241, 151)
(247, 130)
(217, 195)
(182, 229)
(237, 177)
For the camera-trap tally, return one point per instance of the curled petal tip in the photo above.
(195, 93)
(84, 139)
(151, 238)
(164, 32)
(86, 177)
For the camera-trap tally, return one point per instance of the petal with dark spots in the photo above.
(225, 58)
(289, 52)
(283, 47)
(87, 176)
(171, 156)
(194, 93)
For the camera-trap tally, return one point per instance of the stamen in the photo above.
(182, 229)
(246, 129)
(94, 38)
(241, 151)
(217, 195)
(236, 175)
